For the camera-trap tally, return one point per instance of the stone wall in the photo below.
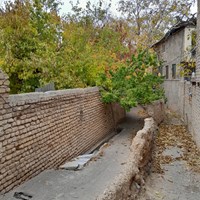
(183, 97)
(42, 130)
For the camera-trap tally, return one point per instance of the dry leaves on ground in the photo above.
(175, 136)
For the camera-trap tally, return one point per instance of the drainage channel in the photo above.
(26, 192)
(79, 162)
(110, 176)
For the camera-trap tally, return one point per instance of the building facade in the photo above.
(183, 95)
(177, 49)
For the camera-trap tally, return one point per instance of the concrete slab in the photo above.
(78, 163)
(93, 179)
(174, 152)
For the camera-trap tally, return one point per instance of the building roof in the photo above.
(177, 27)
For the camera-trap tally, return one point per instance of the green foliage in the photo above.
(134, 84)
(189, 57)
(37, 46)
(29, 36)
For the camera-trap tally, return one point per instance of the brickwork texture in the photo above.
(39, 131)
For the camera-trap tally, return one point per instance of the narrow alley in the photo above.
(89, 182)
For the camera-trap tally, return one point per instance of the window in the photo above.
(174, 71)
(163, 48)
(167, 72)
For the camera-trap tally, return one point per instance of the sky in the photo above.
(66, 7)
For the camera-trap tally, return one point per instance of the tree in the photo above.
(90, 45)
(134, 84)
(149, 19)
(37, 46)
(29, 37)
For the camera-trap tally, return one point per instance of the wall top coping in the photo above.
(180, 80)
(21, 99)
(172, 80)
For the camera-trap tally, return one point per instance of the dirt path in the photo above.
(175, 173)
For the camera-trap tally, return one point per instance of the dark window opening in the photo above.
(167, 72)
(174, 71)
(163, 47)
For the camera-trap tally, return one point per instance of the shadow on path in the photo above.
(134, 119)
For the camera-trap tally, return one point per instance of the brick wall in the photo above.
(184, 98)
(42, 130)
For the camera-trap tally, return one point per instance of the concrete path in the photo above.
(93, 179)
(176, 165)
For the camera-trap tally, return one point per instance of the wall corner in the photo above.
(4, 87)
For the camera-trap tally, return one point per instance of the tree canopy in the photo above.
(149, 19)
(38, 45)
(134, 83)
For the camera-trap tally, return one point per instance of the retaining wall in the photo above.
(42, 130)
(129, 183)
(184, 98)
(156, 110)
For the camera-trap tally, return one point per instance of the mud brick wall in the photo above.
(157, 111)
(39, 131)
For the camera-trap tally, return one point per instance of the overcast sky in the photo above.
(66, 7)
